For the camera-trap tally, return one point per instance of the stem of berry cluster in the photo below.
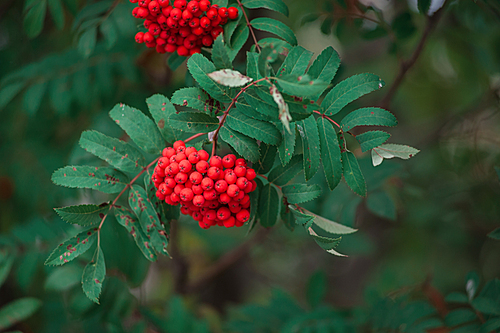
(249, 26)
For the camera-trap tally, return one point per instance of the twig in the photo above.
(432, 21)
(325, 116)
(228, 260)
(194, 137)
(249, 26)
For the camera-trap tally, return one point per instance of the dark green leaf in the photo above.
(63, 278)
(244, 145)
(266, 160)
(325, 66)
(193, 122)
(175, 60)
(288, 218)
(301, 218)
(200, 67)
(57, 12)
(330, 153)
(281, 175)
(299, 193)
(301, 86)
(87, 42)
(491, 325)
(316, 288)
(93, 276)
(33, 97)
(60, 97)
(352, 173)
(368, 117)
(495, 234)
(326, 243)
(34, 18)
(219, 54)
(197, 99)
(467, 328)
(267, 108)
(256, 129)
(238, 39)
(17, 311)
(486, 305)
(275, 27)
(372, 139)
(127, 219)
(456, 297)
(253, 65)
(269, 203)
(103, 179)
(382, 205)
(254, 203)
(9, 92)
(310, 141)
(349, 90)
(72, 247)
(139, 127)
(275, 43)
(287, 146)
(84, 215)
(330, 227)
(91, 11)
(249, 111)
(296, 62)
(459, 317)
(118, 153)
(326, 25)
(276, 5)
(110, 32)
(161, 109)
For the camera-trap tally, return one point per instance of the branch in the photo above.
(228, 260)
(432, 22)
(249, 26)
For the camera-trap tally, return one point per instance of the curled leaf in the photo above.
(284, 113)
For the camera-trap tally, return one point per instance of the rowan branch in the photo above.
(249, 26)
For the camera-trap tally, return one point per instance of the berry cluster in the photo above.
(213, 191)
(184, 27)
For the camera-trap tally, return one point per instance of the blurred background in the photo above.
(422, 228)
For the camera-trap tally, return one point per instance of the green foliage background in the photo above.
(423, 225)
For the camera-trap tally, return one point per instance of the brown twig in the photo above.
(249, 26)
(404, 66)
(228, 260)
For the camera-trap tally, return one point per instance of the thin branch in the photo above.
(228, 260)
(432, 21)
(249, 26)
(194, 137)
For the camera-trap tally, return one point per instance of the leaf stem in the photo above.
(249, 26)
(194, 137)
(326, 117)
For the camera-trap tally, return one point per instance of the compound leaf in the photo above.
(325, 67)
(103, 179)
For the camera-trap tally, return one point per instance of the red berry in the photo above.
(170, 182)
(193, 6)
(250, 174)
(235, 208)
(194, 50)
(223, 213)
(180, 4)
(180, 149)
(241, 161)
(184, 210)
(210, 195)
(187, 15)
(190, 150)
(134, 1)
(211, 215)
(198, 31)
(215, 161)
(232, 13)
(176, 14)
(178, 144)
(221, 186)
(186, 194)
(207, 184)
(160, 42)
(172, 169)
(198, 200)
(160, 196)
(144, 3)
(212, 14)
(230, 177)
(170, 48)
(181, 178)
(195, 22)
(223, 12)
(151, 44)
(224, 199)
(202, 166)
(184, 32)
(246, 198)
(142, 12)
(227, 162)
(197, 189)
(148, 37)
(243, 215)
(242, 183)
(196, 177)
(216, 32)
(139, 37)
(233, 190)
(194, 157)
(214, 173)
(229, 223)
(239, 197)
(205, 22)
(168, 152)
(154, 29)
(203, 155)
(250, 187)
(178, 188)
(216, 21)
(204, 5)
(207, 41)
(154, 7)
(164, 3)
(174, 198)
(159, 171)
(182, 51)
(167, 10)
(240, 170)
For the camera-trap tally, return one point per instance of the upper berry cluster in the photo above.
(184, 27)
(213, 191)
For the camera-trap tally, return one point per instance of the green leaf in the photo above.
(301, 86)
(368, 117)
(276, 5)
(349, 90)
(103, 179)
(221, 3)
(495, 234)
(229, 78)
(175, 60)
(267, 108)
(296, 62)
(372, 139)
(486, 305)
(326, 243)
(200, 67)
(244, 145)
(161, 109)
(256, 129)
(219, 54)
(253, 65)
(72, 247)
(17, 311)
(287, 145)
(57, 12)
(281, 175)
(491, 325)
(269, 203)
(467, 328)
(316, 288)
(423, 6)
(238, 39)
(301, 218)
(352, 173)
(127, 219)
(148, 218)
(459, 317)
(254, 203)
(230, 27)
(325, 67)
(330, 227)
(118, 153)
(87, 42)
(299, 193)
(33, 98)
(34, 18)
(197, 99)
(139, 127)
(391, 150)
(456, 297)
(330, 153)
(93, 276)
(310, 141)
(63, 278)
(249, 111)
(275, 27)
(84, 215)
(266, 160)
(381, 204)
(267, 56)
(9, 92)
(193, 122)
(110, 32)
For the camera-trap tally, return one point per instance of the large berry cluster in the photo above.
(213, 191)
(184, 27)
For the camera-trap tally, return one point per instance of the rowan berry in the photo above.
(185, 166)
(214, 173)
(181, 178)
(180, 149)
(148, 37)
(211, 215)
(216, 31)
(227, 162)
(154, 7)
(197, 189)
(250, 175)
(246, 198)
(240, 196)
(195, 50)
(198, 31)
(190, 150)
(230, 177)
(174, 198)
(203, 225)
(159, 195)
(164, 3)
(178, 188)
(216, 21)
(233, 190)
(230, 222)
(151, 45)
(159, 171)
(187, 15)
(186, 194)
(193, 6)
(144, 3)
(134, 1)
(170, 48)
(246, 205)
(197, 216)
(232, 13)
(182, 51)
(195, 177)
(212, 14)
(139, 37)
(202, 166)
(172, 169)
(184, 210)
(235, 208)
(241, 161)
(170, 182)
(223, 12)
(180, 4)
(221, 186)
(207, 41)
(160, 42)
(172, 23)
(167, 10)
(242, 183)
(250, 187)
(168, 152)
(195, 22)
(240, 171)
(205, 22)
(204, 5)
(180, 157)
(203, 155)
(224, 199)
(198, 200)
(223, 213)
(243, 215)
(176, 14)
(184, 32)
